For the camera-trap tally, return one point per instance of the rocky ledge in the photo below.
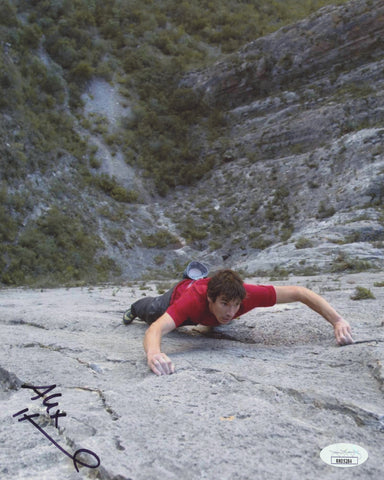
(258, 399)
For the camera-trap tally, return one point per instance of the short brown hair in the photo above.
(228, 284)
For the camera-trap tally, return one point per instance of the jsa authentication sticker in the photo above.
(344, 455)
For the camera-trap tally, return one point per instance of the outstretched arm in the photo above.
(158, 362)
(317, 303)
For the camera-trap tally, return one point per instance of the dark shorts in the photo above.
(150, 309)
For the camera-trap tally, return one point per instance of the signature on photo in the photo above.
(41, 392)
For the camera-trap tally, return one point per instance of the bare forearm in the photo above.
(158, 362)
(152, 340)
(319, 305)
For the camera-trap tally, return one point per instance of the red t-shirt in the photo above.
(189, 302)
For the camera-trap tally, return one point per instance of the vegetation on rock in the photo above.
(62, 217)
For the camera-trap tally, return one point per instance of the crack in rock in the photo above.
(103, 474)
(377, 373)
(93, 366)
(115, 416)
(23, 322)
(361, 416)
(52, 348)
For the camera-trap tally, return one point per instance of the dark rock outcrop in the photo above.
(305, 141)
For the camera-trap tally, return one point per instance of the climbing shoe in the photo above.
(128, 317)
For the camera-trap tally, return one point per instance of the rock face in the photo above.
(329, 44)
(296, 136)
(302, 155)
(259, 398)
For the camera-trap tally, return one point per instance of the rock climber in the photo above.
(218, 301)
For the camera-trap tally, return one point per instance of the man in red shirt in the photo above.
(217, 301)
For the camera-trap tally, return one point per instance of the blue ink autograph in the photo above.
(41, 392)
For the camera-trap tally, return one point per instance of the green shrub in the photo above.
(161, 239)
(8, 226)
(344, 263)
(185, 100)
(121, 194)
(5, 80)
(64, 52)
(58, 245)
(261, 243)
(53, 85)
(362, 293)
(82, 71)
(191, 231)
(8, 14)
(30, 36)
(303, 242)
(110, 186)
(164, 42)
(325, 211)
